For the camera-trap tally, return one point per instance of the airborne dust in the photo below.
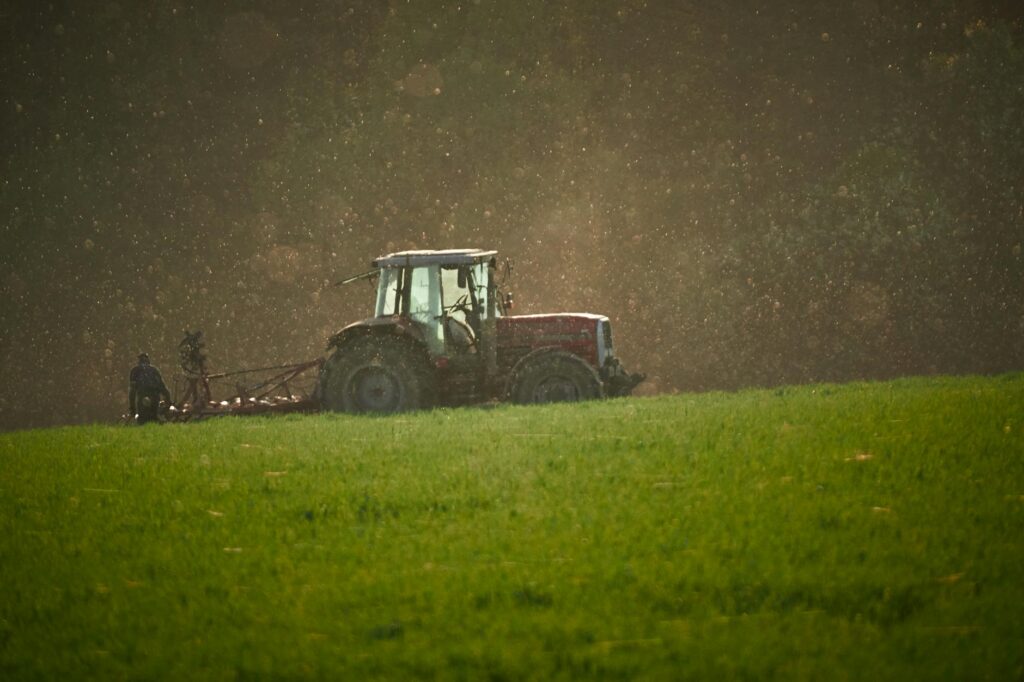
(756, 194)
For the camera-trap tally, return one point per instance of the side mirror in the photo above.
(462, 281)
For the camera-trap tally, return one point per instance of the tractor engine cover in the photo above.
(583, 334)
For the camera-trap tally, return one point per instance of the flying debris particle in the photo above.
(422, 81)
(825, 37)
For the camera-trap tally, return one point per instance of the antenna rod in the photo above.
(356, 278)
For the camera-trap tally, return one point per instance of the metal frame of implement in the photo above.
(275, 394)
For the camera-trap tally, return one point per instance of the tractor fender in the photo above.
(532, 357)
(393, 324)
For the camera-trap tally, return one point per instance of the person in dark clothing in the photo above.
(146, 387)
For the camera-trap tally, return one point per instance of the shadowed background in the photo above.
(756, 194)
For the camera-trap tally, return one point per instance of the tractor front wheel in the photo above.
(554, 376)
(377, 374)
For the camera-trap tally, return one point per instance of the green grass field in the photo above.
(863, 531)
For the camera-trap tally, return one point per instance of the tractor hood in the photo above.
(584, 334)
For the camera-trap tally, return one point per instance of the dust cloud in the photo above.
(755, 195)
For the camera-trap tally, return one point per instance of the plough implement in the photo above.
(278, 389)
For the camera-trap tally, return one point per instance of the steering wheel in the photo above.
(461, 305)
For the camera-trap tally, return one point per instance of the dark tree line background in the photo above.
(757, 193)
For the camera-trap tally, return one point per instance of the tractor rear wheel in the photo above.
(554, 376)
(377, 373)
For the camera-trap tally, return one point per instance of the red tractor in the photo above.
(441, 335)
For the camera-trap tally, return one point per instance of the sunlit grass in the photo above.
(858, 531)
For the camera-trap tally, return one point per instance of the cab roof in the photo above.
(412, 259)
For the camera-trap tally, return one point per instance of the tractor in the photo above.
(442, 335)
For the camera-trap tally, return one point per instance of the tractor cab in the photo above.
(445, 293)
